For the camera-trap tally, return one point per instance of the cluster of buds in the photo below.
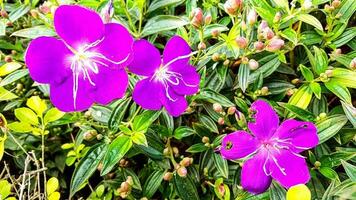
(325, 77)
(123, 163)
(125, 188)
(167, 151)
(335, 4)
(232, 6)
(206, 141)
(90, 134)
(198, 19)
(47, 7)
(273, 43)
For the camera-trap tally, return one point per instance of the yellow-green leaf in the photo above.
(26, 115)
(37, 104)
(7, 68)
(21, 127)
(2, 146)
(52, 185)
(54, 196)
(139, 138)
(6, 95)
(302, 97)
(310, 19)
(345, 77)
(52, 115)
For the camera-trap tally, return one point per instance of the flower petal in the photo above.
(175, 48)
(266, 120)
(174, 104)
(110, 84)
(61, 95)
(242, 144)
(253, 177)
(116, 45)
(189, 82)
(295, 169)
(146, 59)
(147, 94)
(78, 25)
(46, 59)
(301, 135)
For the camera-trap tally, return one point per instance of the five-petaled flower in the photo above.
(273, 150)
(86, 64)
(166, 81)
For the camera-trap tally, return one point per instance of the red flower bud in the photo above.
(259, 45)
(241, 42)
(197, 20)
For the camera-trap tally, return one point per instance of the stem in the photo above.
(128, 16)
(171, 157)
(43, 157)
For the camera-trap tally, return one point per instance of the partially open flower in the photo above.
(232, 6)
(251, 17)
(197, 19)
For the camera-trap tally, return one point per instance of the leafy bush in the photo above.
(147, 142)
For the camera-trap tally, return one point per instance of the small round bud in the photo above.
(34, 13)
(19, 86)
(322, 115)
(296, 81)
(205, 139)
(122, 163)
(215, 57)
(264, 90)
(201, 46)
(336, 3)
(353, 64)
(182, 171)
(215, 33)
(168, 176)
(125, 186)
(290, 92)
(274, 44)
(175, 151)
(166, 152)
(221, 121)
(217, 107)
(231, 110)
(267, 33)
(259, 45)
(129, 180)
(226, 62)
(13, 52)
(253, 64)
(8, 59)
(197, 20)
(241, 42)
(329, 72)
(185, 162)
(99, 137)
(244, 60)
(4, 14)
(232, 6)
(317, 164)
(207, 19)
(100, 166)
(277, 17)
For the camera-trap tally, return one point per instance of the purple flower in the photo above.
(85, 65)
(273, 150)
(166, 81)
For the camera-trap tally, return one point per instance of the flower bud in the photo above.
(241, 42)
(259, 45)
(295, 81)
(215, 33)
(253, 64)
(329, 72)
(324, 77)
(205, 139)
(231, 110)
(182, 171)
(251, 17)
(129, 180)
(90, 134)
(274, 44)
(197, 20)
(166, 152)
(3, 122)
(317, 164)
(221, 189)
(241, 119)
(45, 8)
(277, 17)
(217, 107)
(307, 4)
(100, 166)
(353, 64)
(322, 115)
(264, 90)
(8, 59)
(336, 3)
(207, 19)
(244, 60)
(125, 186)
(99, 137)
(226, 62)
(201, 46)
(221, 121)
(289, 92)
(231, 6)
(186, 162)
(267, 33)
(175, 151)
(3, 13)
(215, 57)
(168, 176)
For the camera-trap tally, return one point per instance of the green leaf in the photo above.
(100, 113)
(344, 77)
(37, 104)
(152, 183)
(118, 114)
(183, 131)
(290, 35)
(16, 75)
(266, 69)
(214, 97)
(299, 112)
(307, 73)
(350, 170)
(116, 151)
(277, 192)
(5, 189)
(315, 87)
(2, 146)
(329, 173)
(243, 76)
(34, 32)
(185, 188)
(347, 8)
(21, 127)
(309, 19)
(7, 68)
(52, 185)
(6, 95)
(350, 111)
(157, 4)
(264, 9)
(321, 60)
(19, 12)
(196, 148)
(162, 23)
(86, 167)
(52, 115)
(209, 123)
(302, 97)
(221, 165)
(139, 138)
(339, 90)
(330, 126)
(144, 120)
(26, 115)
(345, 37)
